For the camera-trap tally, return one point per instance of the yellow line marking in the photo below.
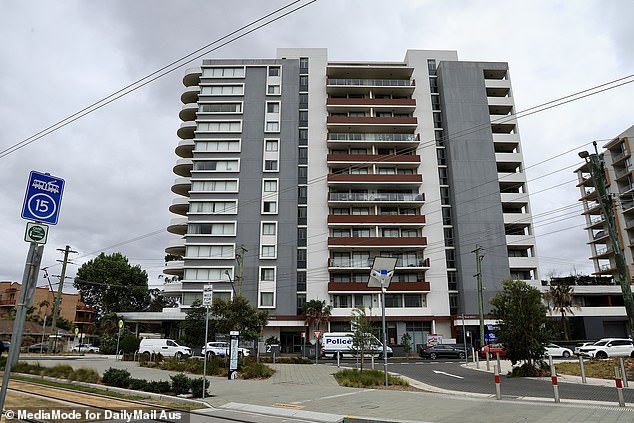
(297, 407)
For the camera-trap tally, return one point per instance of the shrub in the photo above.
(180, 384)
(539, 369)
(197, 387)
(62, 371)
(159, 387)
(107, 344)
(116, 377)
(294, 359)
(85, 375)
(356, 379)
(24, 367)
(129, 344)
(254, 370)
(138, 384)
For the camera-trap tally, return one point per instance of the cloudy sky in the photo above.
(59, 57)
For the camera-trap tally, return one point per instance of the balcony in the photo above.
(172, 288)
(192, 77)
(400, 220)
(188, 112)
(377, 242)
(373, 158)
(176, 247)
(183, 167)
(373, 137)
(186, 130)
(175, 267)
(190, 95)
(370, 82)
(374, 179)
(178, 226)
(420, 286)
(182, 186)
(7, 303)
(379, 197)
(180, 206)
(84, 309)
(185, 148)
(373, 102)
(409, 263)
(410, 122)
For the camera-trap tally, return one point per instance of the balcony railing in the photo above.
(354, 136)
(408, 262)
(389, 196)
(373, 82)
(7, 302)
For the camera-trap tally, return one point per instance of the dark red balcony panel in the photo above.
(378, 219)
(366, 120)
(371, 102)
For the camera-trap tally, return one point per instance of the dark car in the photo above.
(5, 346)
(40, 347)
(441, 350)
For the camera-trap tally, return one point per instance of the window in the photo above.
(446, 216)
(440, 154)
(272, 107)
(301, 237)
(213, 274)
(448, 233)
(444, 195)
(266, 299)
(360, 211)
(267, 274)
(216, 207)
(431, 66)
(269, 207)
(341, 233)
(442, 176)
(451, 258)
(301, 281)
(302, 175)
(221, 108)
(220, 126)
(452, 280)
(272, 127)
(211, 229)
(361, 232)
(413, 300)
(342, 301)
(269, 228)
(409, 233)
(268, 251)
(270, 165)
(222, 90)
(303, 83)
(224, 72)
(221, 146)
(274, 71)
(271, 145)
(393, 300)
(217, 165)
(210, 251)
(303, 63)
(273, 90)
(270, 185)
(215, 186)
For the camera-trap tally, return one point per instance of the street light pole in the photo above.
(597, 171)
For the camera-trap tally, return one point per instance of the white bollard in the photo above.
(553, 378)
(583, 369)
(623, 375)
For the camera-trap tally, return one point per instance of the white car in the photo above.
(554, 350)
(221, 349)
(609, 347)
(581, 345)
(85, 348)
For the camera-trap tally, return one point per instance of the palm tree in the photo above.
(317, 315)
(559, 297)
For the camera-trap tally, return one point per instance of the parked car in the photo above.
(441, 350)
(39, 347)
(165, 347)
(580, 345)
(492, 350)
(221, 349)
(554, 350)
(609, 347)
(85, 348)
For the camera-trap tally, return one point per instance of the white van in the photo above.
(165, 347)
(340, 343)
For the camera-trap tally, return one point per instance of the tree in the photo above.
(238, 314)
(523, 321)
(316, 314)
(158, 301)
(364, 333)
(559, 298)
(109, 283)
(194, 324)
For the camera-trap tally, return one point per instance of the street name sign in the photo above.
(43, 198)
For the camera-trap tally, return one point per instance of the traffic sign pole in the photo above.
(208, 296)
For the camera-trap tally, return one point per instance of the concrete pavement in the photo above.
(309, 391)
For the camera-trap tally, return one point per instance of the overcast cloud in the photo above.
(58, 57)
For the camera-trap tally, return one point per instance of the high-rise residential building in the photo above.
(599, 301)
(295, 172)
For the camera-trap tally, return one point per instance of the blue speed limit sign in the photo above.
(43, 198)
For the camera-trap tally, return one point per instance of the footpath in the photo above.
(310, 392)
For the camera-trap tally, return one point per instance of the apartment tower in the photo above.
(295, 172)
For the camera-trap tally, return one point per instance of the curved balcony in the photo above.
(186, 130)
(180, 206)
(185, 148)
(175, 268)
(178, 226)
(184, 167)
(399, 220)
(190, 95)
(377, 242)
(188, 111)
(176, 247)
(171, 289)
(408, 159)
(192, 76)
(379, 197)
(362, 180)
(182, 186)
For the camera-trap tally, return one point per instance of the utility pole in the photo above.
(478, 276)
(597, 171)
(240, 259)
(58, 299)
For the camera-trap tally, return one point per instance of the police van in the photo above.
(340, 343)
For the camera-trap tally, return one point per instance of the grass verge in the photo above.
(368, 378)
(602, 369)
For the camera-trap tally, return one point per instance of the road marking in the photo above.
(448, 374)
(293, 406)
(333, 396)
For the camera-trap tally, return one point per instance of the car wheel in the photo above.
(461, 355)
(490, 356)
(178, 355)
(601, 355)
(240, 354)
(566, 354)
(210, 355)
(432, 356)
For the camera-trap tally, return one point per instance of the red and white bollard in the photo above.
(553, 378)
(496, 372)
(619, 386)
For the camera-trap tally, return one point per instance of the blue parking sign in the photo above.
(43, 198)
(490, 337)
